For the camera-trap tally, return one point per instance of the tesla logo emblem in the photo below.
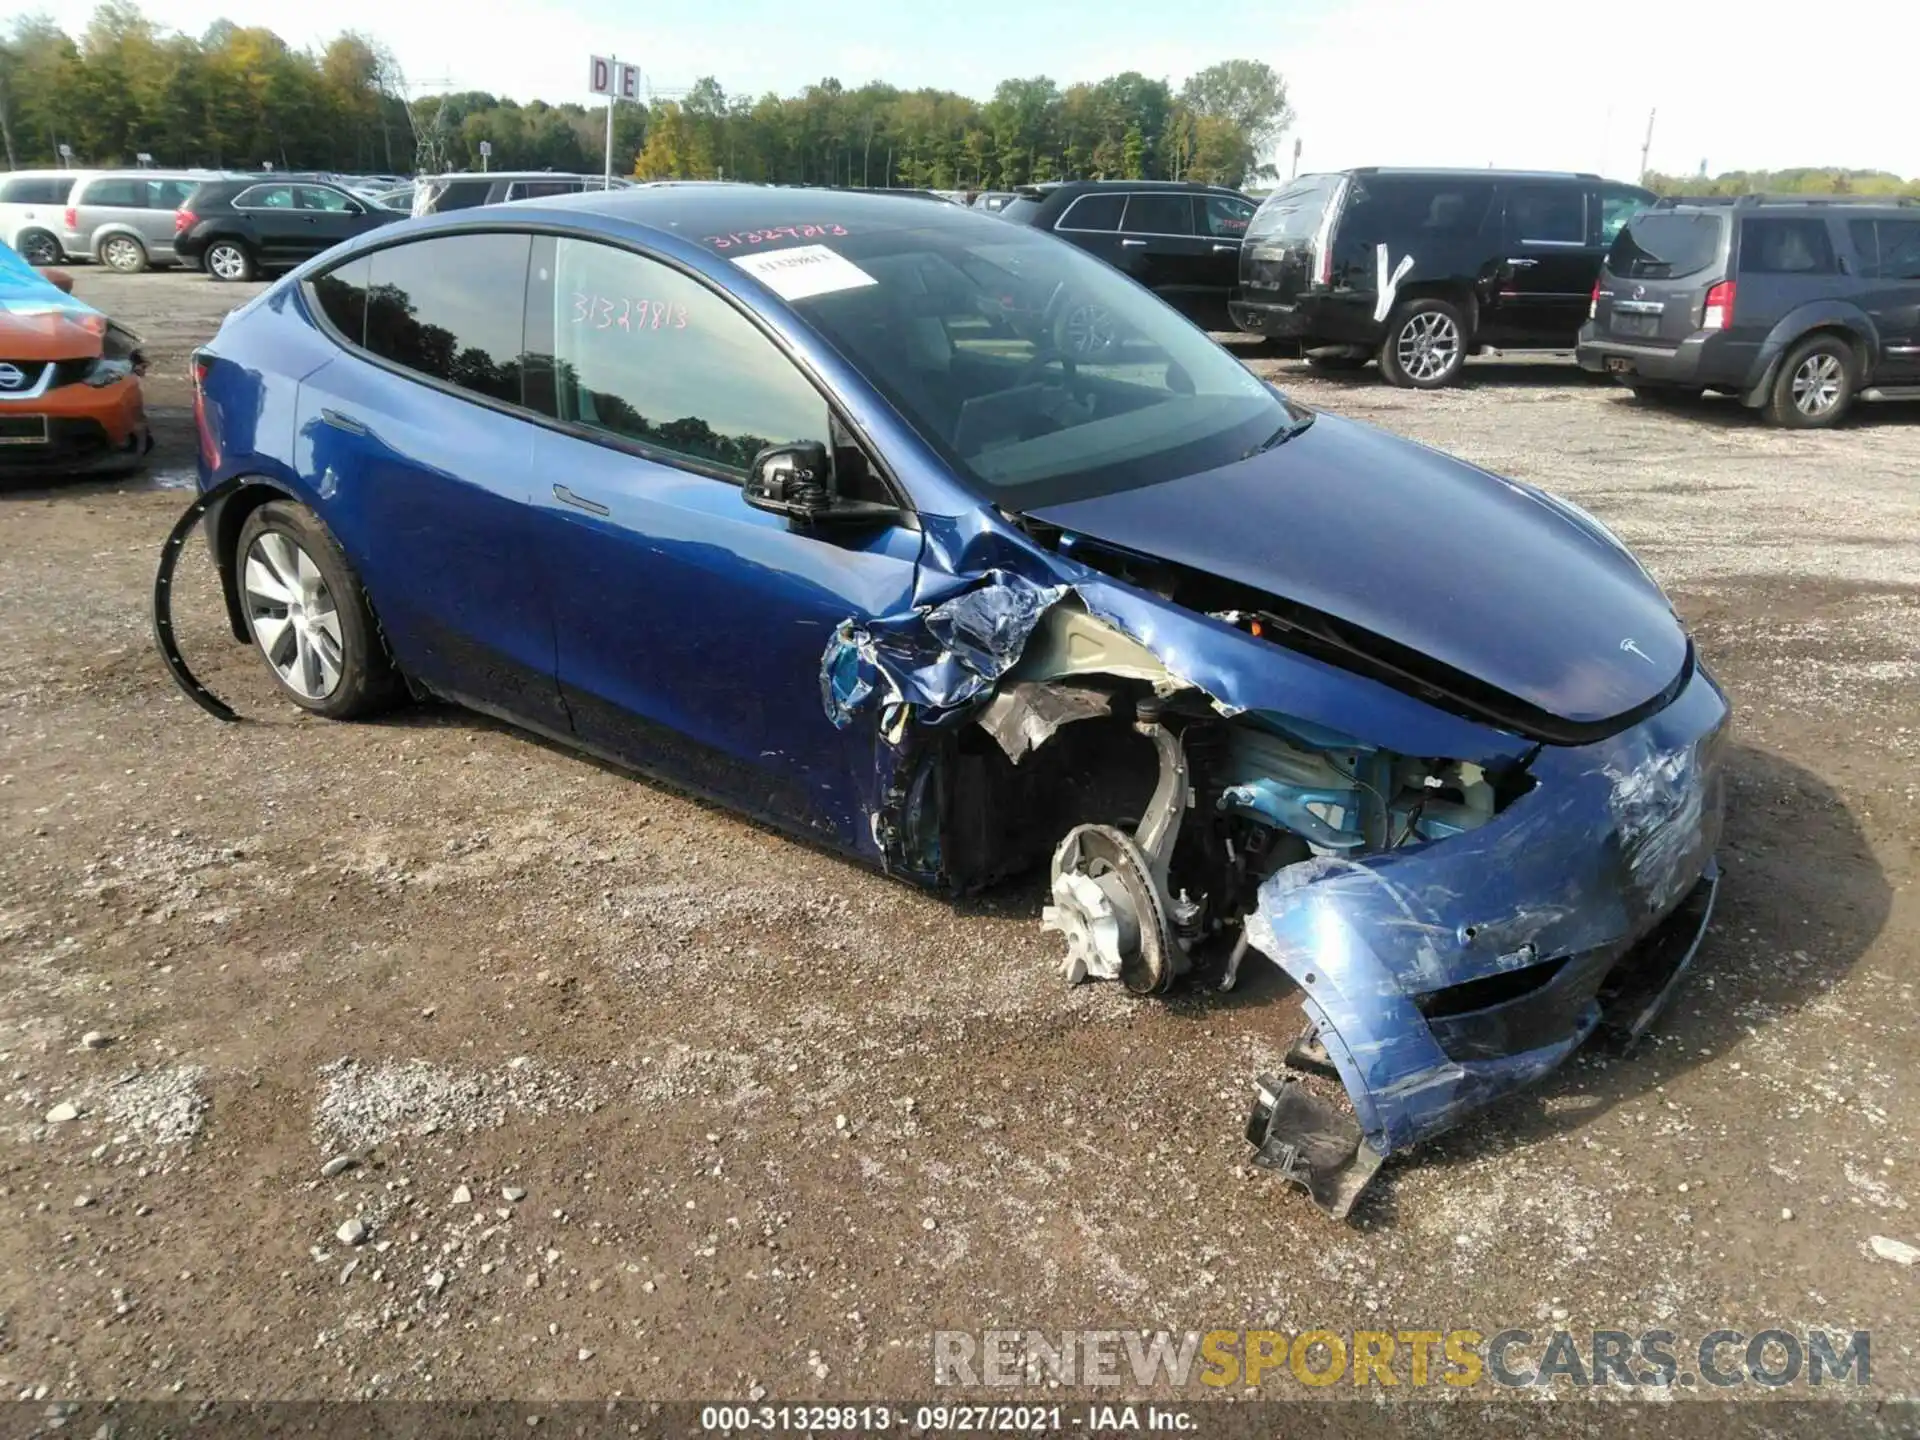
(1632, 647)
(12, 377)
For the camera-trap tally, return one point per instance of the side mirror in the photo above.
(792, 480)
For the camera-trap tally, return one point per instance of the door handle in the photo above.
(1521, 262)
(1221, 245)
(579, 502)
(343, 422)
(1132, 244)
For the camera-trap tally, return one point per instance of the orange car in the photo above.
(69, 380)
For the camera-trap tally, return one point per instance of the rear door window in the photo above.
(1225, 217)
(1783, 245)
(1547, 215)
(1092, 212)
(1666, 245)
(1888, 249)
(169, 194)
(452, 308)
(264, 197)
(1153, 214)
(341, 297)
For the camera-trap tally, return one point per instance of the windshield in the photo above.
(1038, 372)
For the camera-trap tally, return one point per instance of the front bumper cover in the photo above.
(1440, 977)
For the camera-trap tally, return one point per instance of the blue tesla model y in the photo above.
(936, 540)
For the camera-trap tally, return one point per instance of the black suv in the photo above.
(1421, 268)
(1180, 240)
(234, 229)
(1796, 304)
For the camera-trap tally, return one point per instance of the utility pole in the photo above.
(1646, 147)
(1296, 159)
(606, 181)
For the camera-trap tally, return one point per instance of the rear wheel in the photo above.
(1814, 388)
(1425, 345)
(308, 615)
(229, 260)
(37, 247)
(124, 254)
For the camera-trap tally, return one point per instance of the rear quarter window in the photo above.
(36, 190)
(1666, 246)
(1784, 245)
(1404, 212)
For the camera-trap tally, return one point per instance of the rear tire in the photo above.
(1814, 387)
(309, 616)
(123, 254)
(40, 248)
(229, 260)
(1425, 345)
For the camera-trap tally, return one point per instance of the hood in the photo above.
(1396, 543)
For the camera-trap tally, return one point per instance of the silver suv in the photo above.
(30, 206)
(124, 218)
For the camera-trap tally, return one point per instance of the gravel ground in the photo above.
(616, 1093)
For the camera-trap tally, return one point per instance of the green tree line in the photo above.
(1215, 128)
(1816, 181)
(239, 96)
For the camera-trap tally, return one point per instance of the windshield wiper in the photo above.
(1280, 437)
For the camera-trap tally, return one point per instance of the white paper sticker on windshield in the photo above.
(804, 271)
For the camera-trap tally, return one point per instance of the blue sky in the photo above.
(1549, 83)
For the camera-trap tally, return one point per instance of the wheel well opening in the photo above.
(226, 539)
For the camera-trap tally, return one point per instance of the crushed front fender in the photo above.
(1441, 976)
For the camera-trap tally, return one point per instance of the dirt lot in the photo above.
(649, 1101)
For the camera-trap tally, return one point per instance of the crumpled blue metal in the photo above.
(937, 658)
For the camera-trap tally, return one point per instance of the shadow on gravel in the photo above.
(1802, 900)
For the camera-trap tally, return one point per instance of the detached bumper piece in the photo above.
(1309, 1142)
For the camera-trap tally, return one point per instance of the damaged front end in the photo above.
(1460, 905)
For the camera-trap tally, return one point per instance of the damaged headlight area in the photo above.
(1456, 927)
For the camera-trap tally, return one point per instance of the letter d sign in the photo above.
(600, 75)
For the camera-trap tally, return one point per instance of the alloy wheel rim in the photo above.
(120, 254)
(1816, 384)
(40, 250)
(1428, 346)
(295, 621)
(226, 262)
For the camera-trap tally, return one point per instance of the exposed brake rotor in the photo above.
(1107, 906)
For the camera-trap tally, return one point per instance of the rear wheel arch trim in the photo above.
(1848, 322)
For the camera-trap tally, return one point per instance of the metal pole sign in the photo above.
(607, 76)
(486, 153)
(66, 152)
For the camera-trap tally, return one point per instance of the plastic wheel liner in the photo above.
(163, 635)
